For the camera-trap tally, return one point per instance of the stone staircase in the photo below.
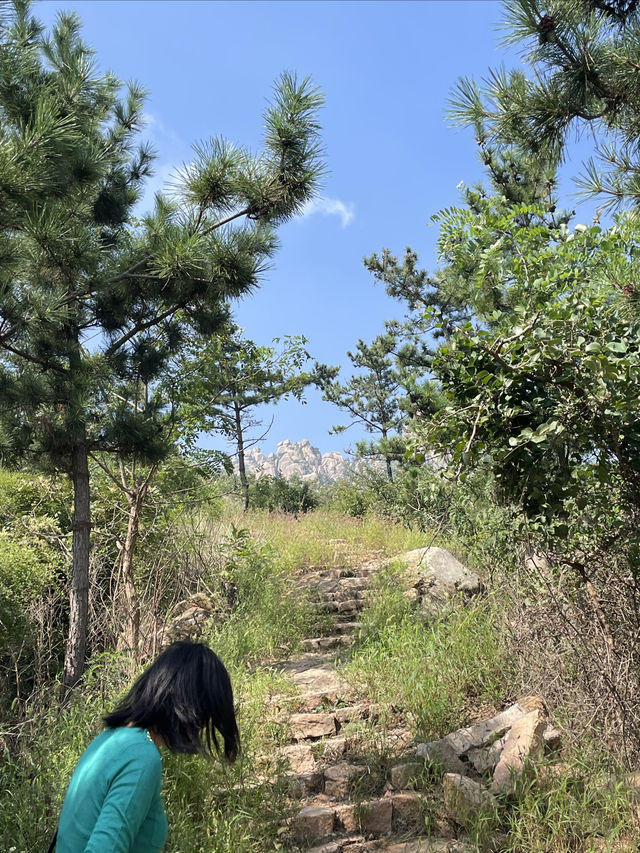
(352, 777)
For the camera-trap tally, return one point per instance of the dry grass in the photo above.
(327, 538)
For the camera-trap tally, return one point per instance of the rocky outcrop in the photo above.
(333, 467)
(491, 757)
(299, 460)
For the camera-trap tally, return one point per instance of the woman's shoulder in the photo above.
(126, 743)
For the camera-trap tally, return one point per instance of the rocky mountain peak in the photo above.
(299, 460)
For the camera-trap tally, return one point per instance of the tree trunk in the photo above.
(241, 467)
(79, 591)
(387, 459)
(131, 630)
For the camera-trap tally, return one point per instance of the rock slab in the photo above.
(338, 778)
(463, 797)
(312, 824)
(436, 575)
(524, 744)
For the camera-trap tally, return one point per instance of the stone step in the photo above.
(343, 595)
(322, 821)
(329, 572)
(424, 845)
(352, 844)
(318, 823)
(358, 844)
(312, 726)
(350, 605)
(313, 644)
(315, 700)
(347, 627)
(327, 585)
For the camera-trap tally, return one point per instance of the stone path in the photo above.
(349, 775)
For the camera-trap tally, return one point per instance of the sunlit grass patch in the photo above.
(430, 670)
(575, 804)
(329, 538)
(211, 805)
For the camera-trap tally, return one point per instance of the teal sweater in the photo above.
(113, 802)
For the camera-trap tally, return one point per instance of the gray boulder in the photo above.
(434, 576)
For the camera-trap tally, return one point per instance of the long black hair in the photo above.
(184, 695)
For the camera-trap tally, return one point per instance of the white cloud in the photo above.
(331, 207)
(160, 134)
(160, 181)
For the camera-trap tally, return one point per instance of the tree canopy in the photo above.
(584, 60)
(221, 384)
(90, 294)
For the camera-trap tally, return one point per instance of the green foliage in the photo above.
(28, 565)
(547, 388)
(279, 495)
(229, 376)
(351, 497)
(379, 395)
(34, 540)
(220, 384)
(267, 614)
(28, 493)
(76, 263)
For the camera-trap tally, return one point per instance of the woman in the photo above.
(113, 802)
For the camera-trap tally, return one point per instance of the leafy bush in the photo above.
(353, 497)
(279, 495)
(29, 494)
(27, 566)
(34, 524)
(267, 612)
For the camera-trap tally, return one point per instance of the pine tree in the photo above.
(379, 396)
(87, 294)
(585, 59)
(223, 383)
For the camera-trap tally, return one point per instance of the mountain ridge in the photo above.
(298, 459)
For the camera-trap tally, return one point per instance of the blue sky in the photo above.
(386, 68)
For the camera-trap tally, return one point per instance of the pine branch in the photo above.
(140, 327)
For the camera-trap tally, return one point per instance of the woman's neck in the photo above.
(153, 735)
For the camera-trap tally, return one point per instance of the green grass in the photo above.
(431, 671)
(212, 806)
(571, 805)
(269, 616)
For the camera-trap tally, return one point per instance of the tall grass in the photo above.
(435, 673)
(434, 670)
(212, 806)
(268, 616)
(328, 538)
(575, 805)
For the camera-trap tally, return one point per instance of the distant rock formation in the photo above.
(298, 460)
